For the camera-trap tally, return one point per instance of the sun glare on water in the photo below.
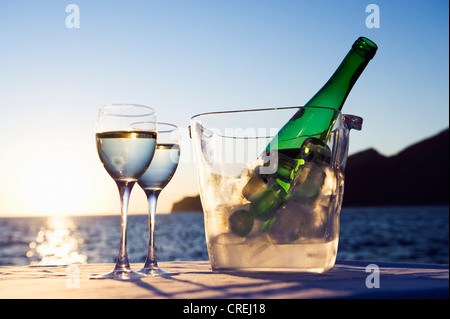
(56, 244)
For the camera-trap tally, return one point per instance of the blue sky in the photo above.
(185, 57)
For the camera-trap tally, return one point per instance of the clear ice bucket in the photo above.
(300, 230)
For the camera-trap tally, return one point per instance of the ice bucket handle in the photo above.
(352, 122)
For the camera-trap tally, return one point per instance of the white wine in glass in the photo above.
(126, 153)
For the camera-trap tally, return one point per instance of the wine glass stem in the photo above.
(124, 191)
(152, 196)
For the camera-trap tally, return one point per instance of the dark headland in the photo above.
(188, 204)
(418, 175)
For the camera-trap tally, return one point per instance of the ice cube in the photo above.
(299, 222)
(287, 224)
(308, 183)
(316, 225)
(259, 250)
(227, 239)
(258, 239)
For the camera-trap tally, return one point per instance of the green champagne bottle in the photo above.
(308, 122)
(303, 138)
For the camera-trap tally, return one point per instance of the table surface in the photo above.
(348, 279)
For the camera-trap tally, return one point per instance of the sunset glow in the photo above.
(189, 57)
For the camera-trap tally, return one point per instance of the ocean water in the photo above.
(397, 234)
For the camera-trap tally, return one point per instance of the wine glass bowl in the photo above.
(126, 152)
(165, 160)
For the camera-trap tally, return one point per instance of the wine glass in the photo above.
(125, 152)
(157, 176)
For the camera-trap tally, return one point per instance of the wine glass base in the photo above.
(156, 271)
(119, 275)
